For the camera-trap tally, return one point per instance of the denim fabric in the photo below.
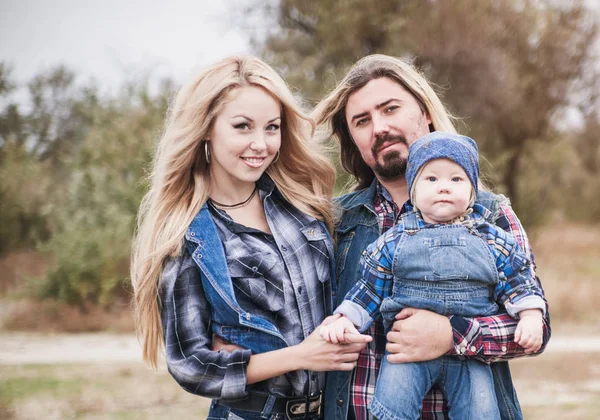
(358, 228)
(438, 145)
(468, 386)
(458, 277)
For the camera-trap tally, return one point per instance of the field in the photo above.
(111, 383)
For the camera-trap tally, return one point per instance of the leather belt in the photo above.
(291, 407)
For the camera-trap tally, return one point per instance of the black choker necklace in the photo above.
(237, 205)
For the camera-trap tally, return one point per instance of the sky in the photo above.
(114, 40)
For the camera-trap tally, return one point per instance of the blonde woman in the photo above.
(234, 243)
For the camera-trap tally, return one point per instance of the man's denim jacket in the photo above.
(357, 229)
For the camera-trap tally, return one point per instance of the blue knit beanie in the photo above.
(439, 145)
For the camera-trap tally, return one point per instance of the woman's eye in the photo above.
(242, 126)
(273, 127)
(391, 109)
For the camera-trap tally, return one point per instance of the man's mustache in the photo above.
(380, 140)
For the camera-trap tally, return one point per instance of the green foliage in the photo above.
(70, 179)
(95, 221)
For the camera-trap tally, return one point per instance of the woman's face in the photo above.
(245, 137)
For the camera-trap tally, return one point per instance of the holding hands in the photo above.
(342, 331)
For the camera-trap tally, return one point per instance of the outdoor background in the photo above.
(84, 88)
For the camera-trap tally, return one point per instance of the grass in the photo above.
(101, 391)
(553, 385)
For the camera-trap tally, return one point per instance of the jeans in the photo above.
(468, 386)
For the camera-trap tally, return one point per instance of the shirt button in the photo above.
(503, 349)
(473, 349)
(247, 317)
(255, 269)
(462, 350)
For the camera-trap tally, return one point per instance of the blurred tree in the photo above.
(510, 67)
(70, 169)
(38, 135)
(95, 221)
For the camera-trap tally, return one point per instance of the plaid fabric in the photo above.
(283, 278)
(486, 338)
(188, 338)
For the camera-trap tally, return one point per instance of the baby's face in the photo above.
(442, 191)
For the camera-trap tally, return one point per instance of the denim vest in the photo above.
(357, 229)
(228, 318)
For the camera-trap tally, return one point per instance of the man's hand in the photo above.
(418, 335)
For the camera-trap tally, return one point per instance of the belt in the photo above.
(292, 407)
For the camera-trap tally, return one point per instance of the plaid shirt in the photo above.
(515, 286)
(282, 278)
(488, 339)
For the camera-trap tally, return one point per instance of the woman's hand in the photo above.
(317, 354)
(418, 335)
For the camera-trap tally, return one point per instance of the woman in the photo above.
(234, 240)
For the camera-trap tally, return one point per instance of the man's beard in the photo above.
(394, 164)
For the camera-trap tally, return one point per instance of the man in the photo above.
(380, 107)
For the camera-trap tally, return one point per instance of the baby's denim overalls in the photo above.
(448, 269)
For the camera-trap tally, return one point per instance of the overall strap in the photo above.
(411, 223)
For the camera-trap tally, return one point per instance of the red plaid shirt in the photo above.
(486, 338)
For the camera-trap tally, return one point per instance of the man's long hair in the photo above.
(330, 113)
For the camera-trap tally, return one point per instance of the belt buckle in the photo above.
(296, 409)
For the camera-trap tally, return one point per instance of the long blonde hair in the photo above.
(330, 113)
(180, 177)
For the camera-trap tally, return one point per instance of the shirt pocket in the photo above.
(341, 253)
(257, 279)
(318, 241)
(447, 258)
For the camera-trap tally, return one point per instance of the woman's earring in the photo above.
(206, 152)
(276, 157)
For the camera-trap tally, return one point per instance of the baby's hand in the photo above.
(335, 331)
(529, 330)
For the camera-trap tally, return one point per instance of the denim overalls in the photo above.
(448, 269)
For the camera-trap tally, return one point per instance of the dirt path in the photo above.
(22, 348)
